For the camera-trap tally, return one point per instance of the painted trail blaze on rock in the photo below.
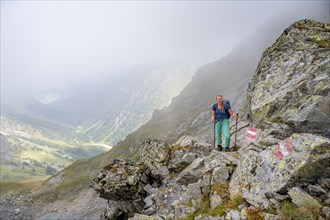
(283, 149)
(252, 134)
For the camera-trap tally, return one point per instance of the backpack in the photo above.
(226, 101)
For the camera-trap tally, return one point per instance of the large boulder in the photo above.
(124, 183)
(265, 172)
(155, 154)
(288, 102)
(292, 82)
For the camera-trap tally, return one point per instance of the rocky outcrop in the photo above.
(167, 183)
(288, 102)
(126, 184)
(135, 191)
(286, 166)
(292, 83)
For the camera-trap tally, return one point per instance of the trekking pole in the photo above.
(214, 135)
(236, 130)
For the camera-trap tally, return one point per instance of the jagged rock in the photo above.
(149, 189)
(144, 217)
(261, 173)
(183, 211)
(189, 158)
(325, 183)
(256, 200)
(233, 215)
(207, 217)
(215, 200)
(193, 192)
(148, 202)
(326, 212)
(220, 175)
(113, 213)
(316, 190)
(192, 173)
(185, 151)
(185, 141)
(292, 82)
(301, 198)
(274, 195)
(275, 203)
(217, 158)
(155, 154)
(124, 181)
(268, 216)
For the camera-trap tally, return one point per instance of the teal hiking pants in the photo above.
(223, 127)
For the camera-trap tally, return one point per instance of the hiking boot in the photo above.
(226, 149)
(219, 147)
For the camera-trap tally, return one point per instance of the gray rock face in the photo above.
(123, 183)
(288, 102)
(155, 155)
(301, 198)
(292, 82)
(264, 172)
(144, 188)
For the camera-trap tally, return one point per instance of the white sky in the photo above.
(50, 43)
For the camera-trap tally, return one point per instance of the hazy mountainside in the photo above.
(189, 113)
(200, 175)
(46, 132)
(103, 110)
(132, 104)
(284, 174)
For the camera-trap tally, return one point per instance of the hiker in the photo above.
(221, 112)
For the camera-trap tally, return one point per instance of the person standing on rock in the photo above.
(221, 112)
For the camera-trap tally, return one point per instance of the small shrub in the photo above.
(253, 214)
(290, 211)
(218, 211)
(50, 170)
(220, 189)
(205, 208)
(235, 201)
(125, 175)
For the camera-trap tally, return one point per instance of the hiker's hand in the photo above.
(213, 120)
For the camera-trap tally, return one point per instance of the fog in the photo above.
(55, 44)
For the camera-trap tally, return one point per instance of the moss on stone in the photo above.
(178, 147)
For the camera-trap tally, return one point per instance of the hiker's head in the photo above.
(219, 99)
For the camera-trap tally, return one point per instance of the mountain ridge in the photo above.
(72, 182)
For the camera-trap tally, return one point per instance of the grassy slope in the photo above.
(27, 152)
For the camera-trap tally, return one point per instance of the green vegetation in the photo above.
(36, 153)
(205, 206)
(235, 201)
(14, 173)
(322, 43)
(84, 151)
(290, 211)
(178, 147)
(76, 176)
(253, 214)
(24, 186)
(205, 209)
(220, 189)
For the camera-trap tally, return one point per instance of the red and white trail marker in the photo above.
(283, 149)
(252, 134)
